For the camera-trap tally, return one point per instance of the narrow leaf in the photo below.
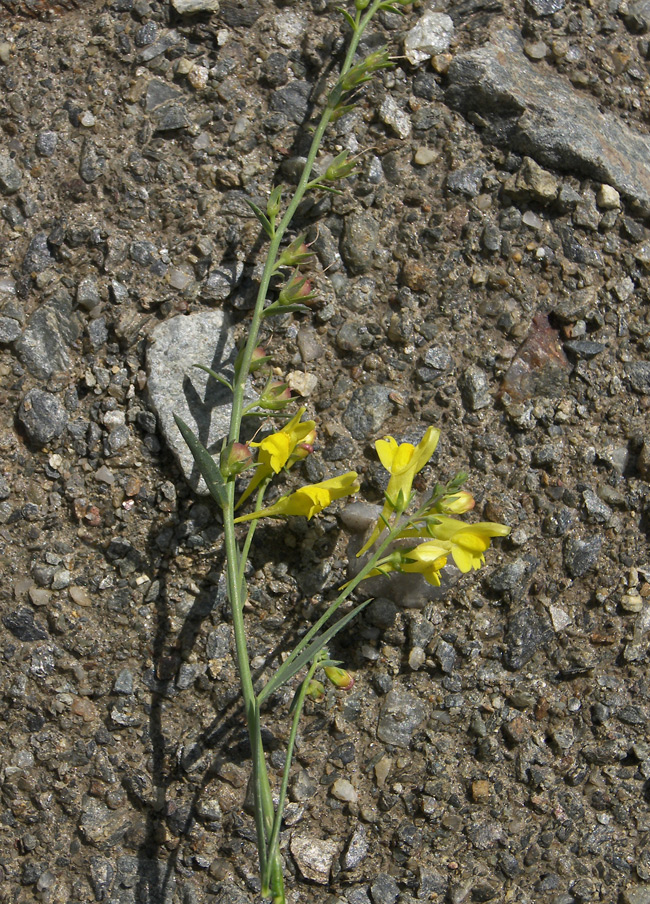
(348, 18)
(262, 217)
(292, 666)
(215, 376)
(205, 463)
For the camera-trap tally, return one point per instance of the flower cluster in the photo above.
(443, 534)
(280, 451)
(434, 523)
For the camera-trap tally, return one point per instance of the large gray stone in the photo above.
(535, 112)
(177, 387)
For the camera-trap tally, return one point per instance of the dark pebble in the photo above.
(42, 416)
(369, 407)
(37, 257)
(527, 632)
(22, 625)
(638, 374)
(581, 556)
(384, 890)
(467, 181)
(584, 348)
(9, 330)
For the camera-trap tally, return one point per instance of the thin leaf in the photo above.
(348, 18)
(333, 191)
(275, 308)
(292, 666)
(205, 463)
(262, 217)
(216, 376)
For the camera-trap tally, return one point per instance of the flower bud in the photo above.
(259, 359)
(302, 449)
(275, 396)
(273, 204)
(235, 458)
(294, 254)
(339, 168)
(316, 690)
(456, 503)
(296, 291)
(339, 677)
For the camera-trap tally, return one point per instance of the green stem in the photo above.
(258, 313)
(279, 810)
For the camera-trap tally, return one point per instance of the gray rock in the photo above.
(595, 509)
(158, 93)
(313, 856)
(219, 642)
(369, 407)
(445, 656)
(176, 387)
(359, 241)
(467, 181)
(88, 296)
(513, 578)
(292, 100)
(581, 556)
(384, 890)
(439, 358)
(169, 118)
(92, 162)
(5, 492)
(10, 175)
(124, 682)
(117, 440)
(42, 416)
(542, 115)
(37, 257)
(392, 115)
(98, 333)
(221, 281)
(638, 373)
(357, 848)
(46, 143)
(526, 633)
(584, 348)
(45, 345)
(474, 388)
(9, 330)
(430, 35)
(401, 715)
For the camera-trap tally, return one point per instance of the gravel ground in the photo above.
(487, 272)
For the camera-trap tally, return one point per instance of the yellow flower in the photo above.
(310, 500)
(467, 542)
(279, 450)
(403, 460)
(427, 559)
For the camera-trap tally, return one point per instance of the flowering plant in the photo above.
(281, 449)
